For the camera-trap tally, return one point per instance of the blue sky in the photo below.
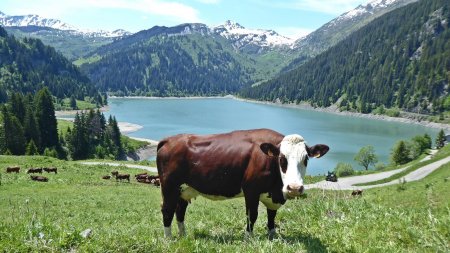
(291, 18)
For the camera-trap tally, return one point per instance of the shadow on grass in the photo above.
(311, 244)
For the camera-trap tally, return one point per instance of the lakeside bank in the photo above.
(335, 110)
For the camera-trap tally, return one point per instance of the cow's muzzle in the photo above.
(295, 190)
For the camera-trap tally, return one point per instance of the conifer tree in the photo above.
(73, 102)
(18, 106)
(400, 153)
(46, 119)
(30, 127)
(31, 148)
(13, 132)
(78, 142)
(2, 136)
(115, 137)
(440, 139)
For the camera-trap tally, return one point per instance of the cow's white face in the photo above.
(293, 155)
(293, 162)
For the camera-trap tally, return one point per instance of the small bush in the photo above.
(393, 112)
(344, 169)
(380, 166)
(401, 184)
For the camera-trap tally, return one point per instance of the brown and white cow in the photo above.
(259, 165)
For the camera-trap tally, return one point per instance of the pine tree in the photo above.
(78, 140)
(18, 106)
(440, 139)
(114, 135)
(30, 127)
(400, 153)
(73, 102)
(2, 136)
(31, 149)
(13, 132)
(46, 119)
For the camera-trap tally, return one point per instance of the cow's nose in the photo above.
(295, 188)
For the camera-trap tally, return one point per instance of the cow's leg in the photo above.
(251, 204)
(170, 199)
(271, 222)
(180, 212)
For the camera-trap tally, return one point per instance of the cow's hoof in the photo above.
(168, 232)
(272, 233)
(248, 235)
(181, 229)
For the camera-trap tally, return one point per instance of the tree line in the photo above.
(399, 60)
(28, 126)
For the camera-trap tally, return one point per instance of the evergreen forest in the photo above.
(28, 65)
(28, 126)
(400, 60)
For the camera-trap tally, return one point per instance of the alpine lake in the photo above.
(345, 135)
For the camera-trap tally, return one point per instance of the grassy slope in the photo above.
(126, 216)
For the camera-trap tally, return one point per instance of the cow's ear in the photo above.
(270, 149)
(318, 150)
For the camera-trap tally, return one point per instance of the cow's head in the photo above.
(293, 155)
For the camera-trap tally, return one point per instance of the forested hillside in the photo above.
(189, 59)
(28, 65)
(401, 59)
(169, 66)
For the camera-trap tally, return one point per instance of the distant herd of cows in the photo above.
(141, 178)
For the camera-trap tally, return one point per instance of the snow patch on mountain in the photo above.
(35, 20)
(369, 8)
(242, 36)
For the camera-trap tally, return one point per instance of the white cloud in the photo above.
(335, 7)
(209, 1)
(293, 32)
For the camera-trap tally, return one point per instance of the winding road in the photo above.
(346, 183)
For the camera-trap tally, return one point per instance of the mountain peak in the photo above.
(231, 25)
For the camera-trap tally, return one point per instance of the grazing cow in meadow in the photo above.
(39, 178)
(34, 170)
(141, 176)
(357, 192)
(123, 176)
(144, 174)
(114, 173)
(12, 169)
(156, 182)
(53, 169)
(259, 165)
(106, 177)
(143, 180)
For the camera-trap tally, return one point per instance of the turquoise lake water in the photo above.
(344, 134)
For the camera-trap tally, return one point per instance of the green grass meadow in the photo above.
(126, 217)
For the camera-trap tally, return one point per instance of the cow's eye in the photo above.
(283, 164)
(305, 162)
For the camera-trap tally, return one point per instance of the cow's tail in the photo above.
(158, 158)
